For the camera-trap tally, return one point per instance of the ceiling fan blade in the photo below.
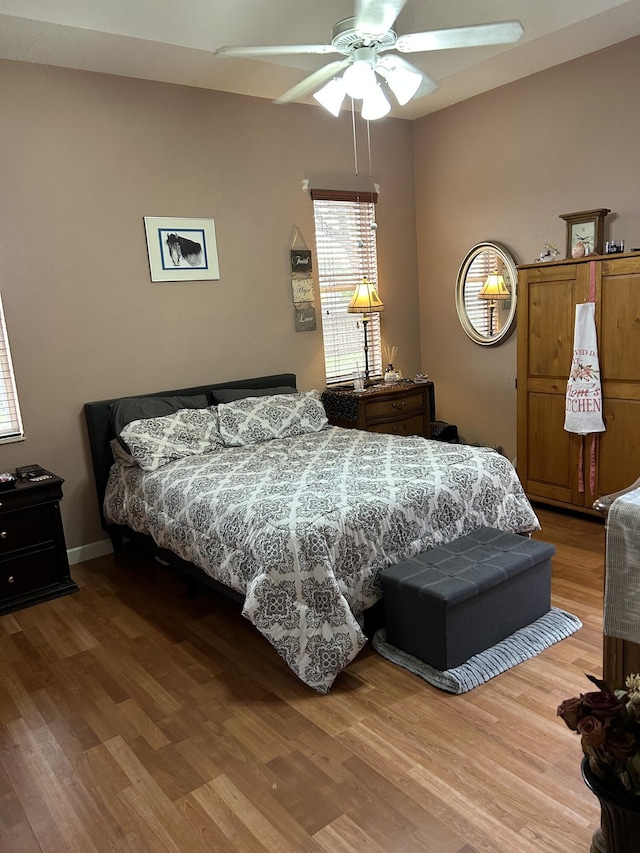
(375, 17)
(391, 61)
(505, 32)
(313, 81)
(274, 50)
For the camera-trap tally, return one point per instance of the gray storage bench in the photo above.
(450, 603)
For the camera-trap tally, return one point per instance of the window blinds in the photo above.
(10, 419)
(346, 253)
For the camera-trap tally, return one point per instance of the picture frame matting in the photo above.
(181, 248)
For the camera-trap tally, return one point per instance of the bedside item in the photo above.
(33, 554)
(365, 301)
(486, 294)
(7, 481)
(28, 472)
(402, 408)
(586, 227)
(391, 375)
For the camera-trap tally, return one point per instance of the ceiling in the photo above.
(175, 41)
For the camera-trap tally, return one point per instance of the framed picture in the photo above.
(181, 249)
(586, 227)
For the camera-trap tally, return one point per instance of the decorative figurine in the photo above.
(549, 253)
(579, 250)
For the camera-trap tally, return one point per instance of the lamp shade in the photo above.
(374, 104)
(332, 95)
(494, 288)
(365, 299)
(403, 83)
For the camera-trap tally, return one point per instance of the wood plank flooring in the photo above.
(134, 719)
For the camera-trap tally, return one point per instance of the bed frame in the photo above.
(100, 435)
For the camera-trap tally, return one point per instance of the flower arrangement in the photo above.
(608, 722)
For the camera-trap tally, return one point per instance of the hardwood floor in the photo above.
(134, 719)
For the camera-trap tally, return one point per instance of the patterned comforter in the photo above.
(302, 526)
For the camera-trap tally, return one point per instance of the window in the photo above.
(346, 253)
(10, 420)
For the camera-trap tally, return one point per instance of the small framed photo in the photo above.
(181, 249)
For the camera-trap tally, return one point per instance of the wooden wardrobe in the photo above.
(549, 457)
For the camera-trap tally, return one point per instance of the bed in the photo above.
(291, 516)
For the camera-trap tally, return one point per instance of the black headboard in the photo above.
(101, 433)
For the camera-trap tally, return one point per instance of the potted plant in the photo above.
(608, 722)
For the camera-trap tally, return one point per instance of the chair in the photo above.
(621, 656)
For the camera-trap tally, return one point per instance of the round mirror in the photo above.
(486, 294)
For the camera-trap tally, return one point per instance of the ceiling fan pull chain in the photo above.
(355, 141)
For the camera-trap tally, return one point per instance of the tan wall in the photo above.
(84, 158)
(503, 166)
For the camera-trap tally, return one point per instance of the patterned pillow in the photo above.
(153, 442)
(257, 419)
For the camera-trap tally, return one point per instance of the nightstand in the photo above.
(400, 409)
(33, 555)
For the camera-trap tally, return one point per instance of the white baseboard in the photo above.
(90, 551)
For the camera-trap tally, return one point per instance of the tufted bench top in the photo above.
(450, 574)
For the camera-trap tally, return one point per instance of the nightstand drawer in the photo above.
(399, 406)
(27, 527)
(32, 572)
(401, 426)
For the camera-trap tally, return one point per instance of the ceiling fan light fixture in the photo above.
(332, 95)
(374, 104)
(359, 78)
(403, 83)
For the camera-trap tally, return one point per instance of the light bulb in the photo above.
(374, 104)
(358, 79)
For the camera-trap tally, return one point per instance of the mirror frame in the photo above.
(469, 328)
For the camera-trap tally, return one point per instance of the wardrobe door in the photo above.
(619, 346)
(548, 456)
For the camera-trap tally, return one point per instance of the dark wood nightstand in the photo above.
(401, 409)
(33, 555)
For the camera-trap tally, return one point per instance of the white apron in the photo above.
(583, 409)
(584, 393)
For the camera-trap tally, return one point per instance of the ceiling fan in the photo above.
(363, 41)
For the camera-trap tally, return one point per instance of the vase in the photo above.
(620, 817)
(391, 375)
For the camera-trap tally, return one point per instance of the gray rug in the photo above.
(526, 643)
